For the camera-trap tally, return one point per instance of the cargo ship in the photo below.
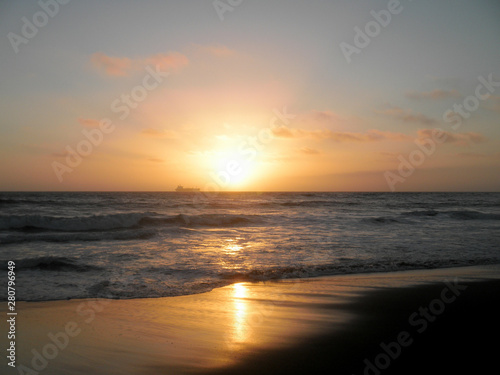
(182, 189)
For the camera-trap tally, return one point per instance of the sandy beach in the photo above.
(403, 322)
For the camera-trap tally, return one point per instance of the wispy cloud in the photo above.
(406, 115)
(492, 103)
(159, 133)
(372, 135)
(319, 117)
(433, 95)
(124, 66)
(110, 65)
(168, 61)
(88, 122)
(215, 50)
(285, 132)
(478, 155)
(461, 139)
(309, 151)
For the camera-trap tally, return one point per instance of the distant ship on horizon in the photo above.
(182, 189)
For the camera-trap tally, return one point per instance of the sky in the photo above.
(318, 95)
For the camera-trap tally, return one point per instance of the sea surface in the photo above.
(135, 245)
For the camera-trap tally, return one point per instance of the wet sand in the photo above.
(414, 322)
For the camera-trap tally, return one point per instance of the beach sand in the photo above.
(412, 322)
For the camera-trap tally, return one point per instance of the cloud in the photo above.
(169, 61)
(215, 50)
(89, 123)
(159, 133)
(324, 119)
(433, 95)
(152, 132)
(372, 135)
(477, 155)
(492, 103)
(386, 154)
(461, 139)
(283, 132)
(124, 66)
(406, 115)
(111, 66)
(321, 117)
(309, 151)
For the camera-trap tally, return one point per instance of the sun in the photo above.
(232, 168)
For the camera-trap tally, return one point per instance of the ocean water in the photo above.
(135, 245)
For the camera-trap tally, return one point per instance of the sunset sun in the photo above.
(232, 168)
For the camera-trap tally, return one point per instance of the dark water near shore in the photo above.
(132, 245)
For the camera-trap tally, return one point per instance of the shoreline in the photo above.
(315, 277)
(241, 327)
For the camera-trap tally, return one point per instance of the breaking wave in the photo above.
(118, 221)
(52, 263)
(424, 214)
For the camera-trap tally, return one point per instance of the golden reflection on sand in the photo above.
(240, 325)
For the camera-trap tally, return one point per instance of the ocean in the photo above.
(157, 244)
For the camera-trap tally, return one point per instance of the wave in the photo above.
(317, 203)
(158, 281)
(421, 213)
(45, 201)
(34, 223)
(7, 201)
(121, 235)
(210, 220)
(381, 220)
(53, 263)
(348, 267)
(132, 287)
(455, 215)
(123, 287)
(472, 215)
(70, 224)
(25, 201)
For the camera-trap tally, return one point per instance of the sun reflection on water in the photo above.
(231, 248)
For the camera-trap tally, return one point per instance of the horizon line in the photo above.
(247, 191)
